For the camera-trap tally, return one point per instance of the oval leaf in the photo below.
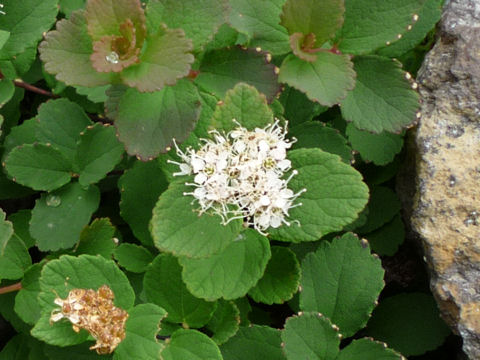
(141, 331)
(281, 278)
(38, 166)
(367, 349)
(383, 99)
(334, 197)
(310, 336)
(191, 345)
(177, 228)
(244, 104)
(342, 280)
(83, 272)
(326, 80)
(59, 217)
(98, 152)
(254, 343)
(164, 286)
(221, 70)
(147, 123)
(231, 273)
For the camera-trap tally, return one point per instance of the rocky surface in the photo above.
(446, 207)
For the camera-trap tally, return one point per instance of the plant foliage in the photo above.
(102, 141)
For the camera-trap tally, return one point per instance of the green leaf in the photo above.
(21, 226)
(280, 280)
(14, 258)
(428, 15)
(20, 134)
(310, 336)
(383, 99)
(12, 190)
(141, 331)
(77, 352)
(147, 123)
(221, 70)
(201, 131)
(190, 345)
(327, 80)
(367, 349)
(26, 21)
(59, 123)
(105, 17)
(410, 323)
(254, 343)
(4, 35)
(224, 322)
(177, 228)
(320, 18)
(96, 94)
(6, 232)
(244, 104)
(164, 287)
(314, 134)
(97, 239)
(98, 152)
(139, 195)
(200, 19)
(298, 108)
(334, 197)
(7, 89)
(66, 53)
(387, 239)
(26, 303)
(377, 148)
(370, 24)
(342, 280)
(230, 273)
(132, 257)
(69, 6)
(165, 59)
(59, 217)
(38, 166)
(382, 206)
(260, 20)
(226, 36)
(83, 272)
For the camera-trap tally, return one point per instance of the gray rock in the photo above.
(446, 208)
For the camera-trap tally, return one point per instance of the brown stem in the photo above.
(10, 288)
(34, 89)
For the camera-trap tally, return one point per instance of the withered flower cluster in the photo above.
(95, 312)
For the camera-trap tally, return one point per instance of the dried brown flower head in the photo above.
(95, 312)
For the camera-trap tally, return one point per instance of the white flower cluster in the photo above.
(240, 176)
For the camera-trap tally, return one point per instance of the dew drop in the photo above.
(53, 200)
(50, 225)
(112, 58)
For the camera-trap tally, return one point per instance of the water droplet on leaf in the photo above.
(53, 200)
(112, 58)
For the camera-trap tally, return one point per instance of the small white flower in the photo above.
(239, 175)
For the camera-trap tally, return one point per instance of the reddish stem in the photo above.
(34, 89)
(10, 288)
